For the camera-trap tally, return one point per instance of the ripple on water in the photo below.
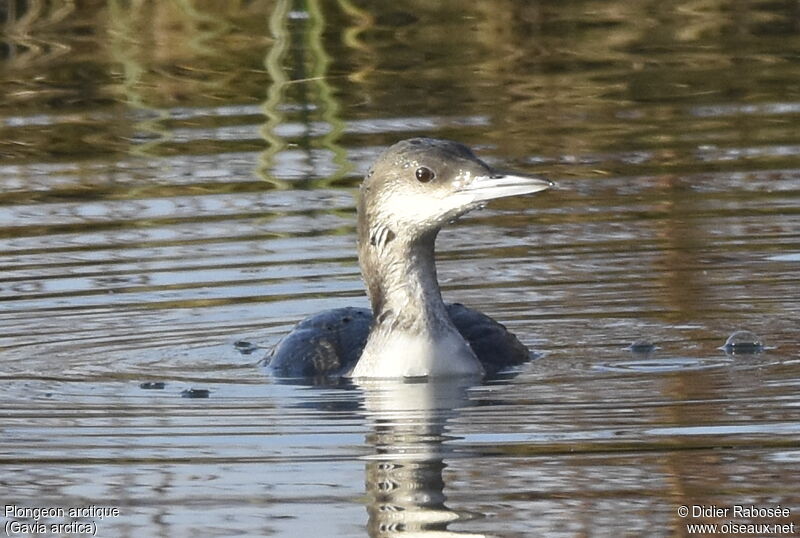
(662, 365)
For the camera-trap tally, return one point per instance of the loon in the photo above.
(413, 189)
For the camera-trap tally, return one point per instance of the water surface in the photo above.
(177, 177)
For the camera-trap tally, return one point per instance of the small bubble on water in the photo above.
(195, 393)
(744, 342)
(152, 385)
(642, 346)
(244, 347)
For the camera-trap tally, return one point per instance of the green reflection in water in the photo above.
(330, 105)
(306, 40)
(275, 91)
(125, 50)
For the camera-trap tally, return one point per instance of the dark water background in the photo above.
(178, 176)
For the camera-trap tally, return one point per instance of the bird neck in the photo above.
(400, 274)
(412, 334)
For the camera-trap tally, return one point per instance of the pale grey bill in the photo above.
(501, 185)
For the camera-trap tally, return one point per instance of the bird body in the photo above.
(414, 188)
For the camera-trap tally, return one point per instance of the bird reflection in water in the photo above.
(404, 476)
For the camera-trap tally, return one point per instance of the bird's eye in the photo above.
(424, 174)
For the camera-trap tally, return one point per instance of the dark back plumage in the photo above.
(329, 344)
